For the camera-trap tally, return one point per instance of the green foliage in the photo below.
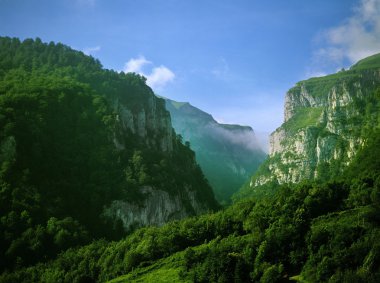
(326, 153)
(312, 229)
(368, 63)
(274, 273)
(324, 232)
(59, 167)
(304, 117)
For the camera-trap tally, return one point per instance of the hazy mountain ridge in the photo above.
(228, 154)
(326, 122)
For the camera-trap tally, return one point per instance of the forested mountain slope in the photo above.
(311, 232)
(323, 230)
(227, 154)
(327, 120)
(85, 153)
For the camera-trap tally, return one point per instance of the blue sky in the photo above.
(232, 59)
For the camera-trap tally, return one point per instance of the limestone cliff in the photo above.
(156, 208)
(325, 124)
(143, 126)
(88, 147)
(150, 122)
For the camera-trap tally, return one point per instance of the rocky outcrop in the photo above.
(84, 134)
(150, 122)
(145, 126)
(156, 208)
(324, 125)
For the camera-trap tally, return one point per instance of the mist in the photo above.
(242, 136)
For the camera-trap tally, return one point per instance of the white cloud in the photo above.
(157, 78)
(357, 37)
(91, 50)
(135, 65)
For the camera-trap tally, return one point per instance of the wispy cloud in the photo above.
(244, 137)
(357, 37)
(157, 77)
(91, 50)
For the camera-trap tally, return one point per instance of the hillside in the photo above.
(327, 120)
(312, 214)
(309, 232)
(227, 154)
(85, 153)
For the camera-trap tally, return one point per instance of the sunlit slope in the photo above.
(327, 120)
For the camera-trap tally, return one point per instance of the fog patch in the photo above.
(238, 135)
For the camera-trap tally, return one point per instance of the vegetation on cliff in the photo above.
(327, 120)
(320, 232)
(59, 166)
(57, 129)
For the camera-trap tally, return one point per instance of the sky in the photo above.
(234, 59)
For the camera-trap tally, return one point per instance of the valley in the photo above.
(103, 181)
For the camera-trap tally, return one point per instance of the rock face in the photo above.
(156, 208)
(150, 122)
(325, 122)
(227, 154)
(90, 135)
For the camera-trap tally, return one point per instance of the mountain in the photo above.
(85, 153)
(227, 154)
(307, 232)
(324, 229)
(327, 120)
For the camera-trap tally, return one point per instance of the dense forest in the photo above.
(60, 168)
(311, 232)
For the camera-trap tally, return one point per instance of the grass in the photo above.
(303, 118)
(165, 270)
(368, 63)
(320, 86)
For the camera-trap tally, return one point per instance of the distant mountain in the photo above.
(227, 154)
(327, 120)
